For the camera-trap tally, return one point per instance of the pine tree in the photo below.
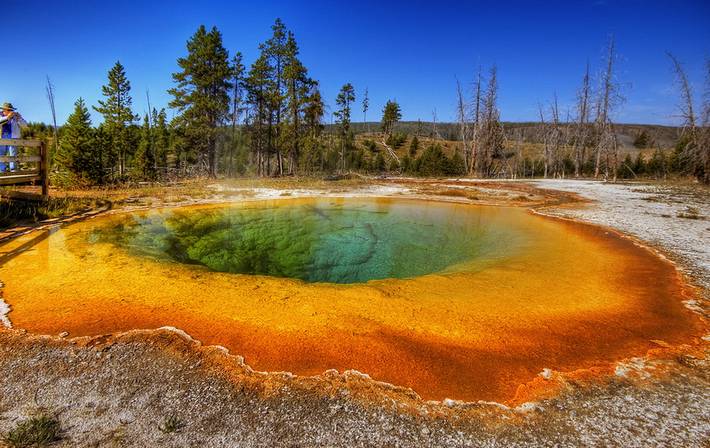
(78, 155)
(314, 110)
(345, 98)
(144, 161)
(202, 93)
(238, 83)
(380, 164)
(406, 164)
(432, 162)
(297, 87)
(105, 156)
(313, 115)
(277, 86)
(366, 107)
(456, 165)
(258, 84)
(414, 147)
(161, 139)
(391, 114)
(657, 166)
(117, 113)
(626, 170)
(642, 140)
(274, 53)
(492, 137)
(639, 165)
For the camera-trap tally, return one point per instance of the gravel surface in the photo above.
(119, 391)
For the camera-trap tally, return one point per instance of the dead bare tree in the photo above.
(50, 98)
(581, 134)
(544, 135)
(519, 160)
(434, 130)
(556, 138)
(553, 134)
(695, 134)
(476, 124)
(463, 125)
(608, 98)
(687, 112)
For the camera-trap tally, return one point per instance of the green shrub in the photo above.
(36, 431)
(171, 424)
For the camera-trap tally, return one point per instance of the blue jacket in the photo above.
(11, 127)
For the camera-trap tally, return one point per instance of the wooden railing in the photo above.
(37, 173)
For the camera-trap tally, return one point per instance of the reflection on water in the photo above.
(318, 241)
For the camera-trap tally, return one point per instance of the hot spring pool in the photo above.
(318, 241)
(452, 300)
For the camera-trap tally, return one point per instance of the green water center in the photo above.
(318, 240)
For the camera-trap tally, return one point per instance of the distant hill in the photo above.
(664, 136)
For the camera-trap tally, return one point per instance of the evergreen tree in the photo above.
(627, 168)
(298, 85)
(105, 156)
(274, 53)
(258, 84)
(492, 137)
(642, 140)
(77, 154)
(313, 111)
(414, 147)
(657, 166)
(345, 98)
(144, 161)
(391, 114)
(202, 94)
(117, 113)
(456, 165)
(365, 107)
(639, 165)
(380, 164)
(432, 162)
(278, 90)
(161, 140)
(238, 84)
(406, 164)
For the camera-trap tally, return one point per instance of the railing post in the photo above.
(44, 168)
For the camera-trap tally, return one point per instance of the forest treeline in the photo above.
(268, 119)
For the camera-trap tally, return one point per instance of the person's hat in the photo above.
(7, 106)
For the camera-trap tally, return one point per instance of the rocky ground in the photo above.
(160, 388)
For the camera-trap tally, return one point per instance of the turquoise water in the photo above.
(338, 241)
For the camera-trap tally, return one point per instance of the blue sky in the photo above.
(410, 51)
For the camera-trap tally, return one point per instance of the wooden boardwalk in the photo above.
(38, 170)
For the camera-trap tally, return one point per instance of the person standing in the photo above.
(10, 122)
